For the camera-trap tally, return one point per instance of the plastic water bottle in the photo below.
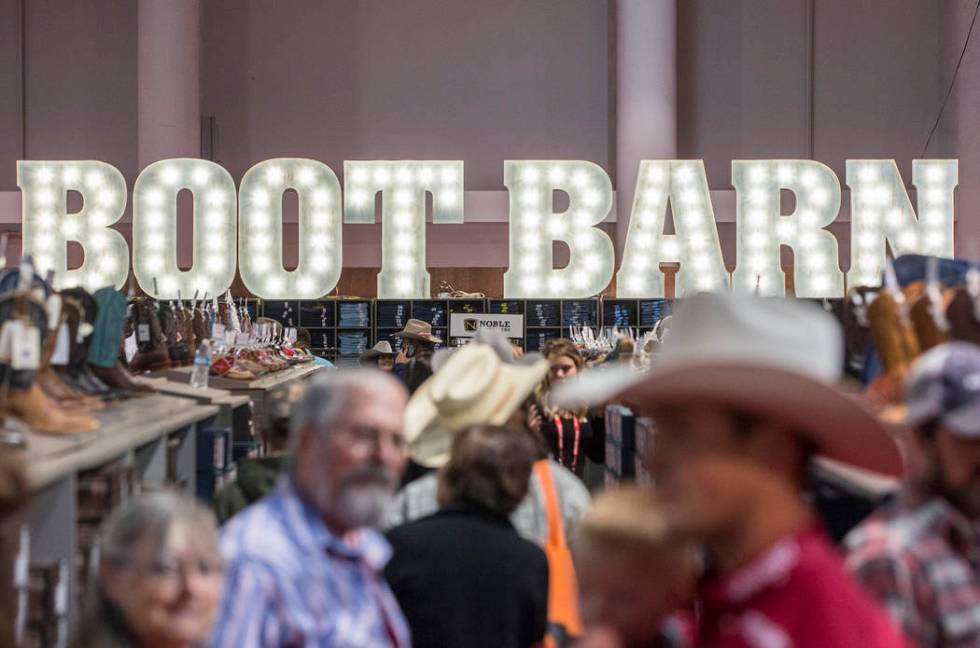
(202, 365)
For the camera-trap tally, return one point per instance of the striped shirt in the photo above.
(922, 561)
(291, 582)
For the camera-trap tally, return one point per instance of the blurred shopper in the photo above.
(456, 397)
(634, 579)
(256, 476)
(920, 554)
(304, 566)
(304, 340)
(380, 356)
(744, 394)
(572, 435)
(413, 364)
(160, 576)
(463, 576)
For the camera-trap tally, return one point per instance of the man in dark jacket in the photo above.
(463, 576)
(257, 475)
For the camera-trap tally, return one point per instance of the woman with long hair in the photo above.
(572, 434)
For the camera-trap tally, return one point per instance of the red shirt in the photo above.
(795, 593)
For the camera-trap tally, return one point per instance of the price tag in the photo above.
(230, 337)
(142, 332)
(26, 351)
(10, 330)
(218, 332)
(21, 572)
(61, 589)
(62, 347)
(243, 339)
(130, 348)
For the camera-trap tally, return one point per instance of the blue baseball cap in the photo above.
(944, 386)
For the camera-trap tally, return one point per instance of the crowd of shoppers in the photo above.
(724, 551)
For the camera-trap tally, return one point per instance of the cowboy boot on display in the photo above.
(103, 344)
(152, 353)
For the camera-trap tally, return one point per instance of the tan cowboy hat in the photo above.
(382, 348)
(473, 387)
(778, 358)
(418, 330)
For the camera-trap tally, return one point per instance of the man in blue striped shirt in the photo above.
(305, 566)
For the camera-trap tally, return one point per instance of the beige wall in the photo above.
(489, 81)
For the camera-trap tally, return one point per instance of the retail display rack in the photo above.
(341, 329)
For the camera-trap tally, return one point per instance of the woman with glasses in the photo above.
(159, 577)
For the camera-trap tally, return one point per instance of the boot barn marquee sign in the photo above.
(246, 224)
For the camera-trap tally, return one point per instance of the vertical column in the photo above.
(958, 135)
(169, 102)
(646, 94)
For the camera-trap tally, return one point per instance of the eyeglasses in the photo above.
(170, 570)
(370, 435)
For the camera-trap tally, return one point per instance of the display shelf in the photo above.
(264, 383)
(122, 427)
(285, 312)
(391, 315)
(325, 319)
(621, 446)
(235, 409)
(257, 390)
(151, 437)
(506, 306)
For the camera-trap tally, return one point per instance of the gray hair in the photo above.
(330, 395)
(147, 518)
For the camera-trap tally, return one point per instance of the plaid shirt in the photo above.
(291, 582)
(922, 560)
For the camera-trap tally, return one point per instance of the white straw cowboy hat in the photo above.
(777, 358)
(418, 330)
(382, 348)
(473, 387)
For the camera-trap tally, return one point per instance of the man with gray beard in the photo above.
(305, 566)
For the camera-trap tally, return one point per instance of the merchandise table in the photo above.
(257, 390)
(235, 411)
(153, 438)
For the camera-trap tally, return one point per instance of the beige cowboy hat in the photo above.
(778, 358)
(382, 348)
(418, 330)
(474, 386)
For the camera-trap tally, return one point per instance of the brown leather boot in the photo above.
(70, 399)
(43, 415)
(118, 378)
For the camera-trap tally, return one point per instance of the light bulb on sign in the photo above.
(155, 227)
(200, 176)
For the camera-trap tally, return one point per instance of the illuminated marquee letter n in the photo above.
(881, 211)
